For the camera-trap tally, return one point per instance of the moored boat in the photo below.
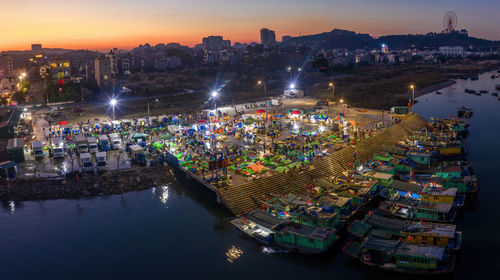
(401, 256)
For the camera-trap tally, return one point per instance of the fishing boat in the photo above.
(435, 234)
(483, 91)
(424, 192)
(304, 239)
(258, 224)
(408, 208)
(464, 112)
(494, 93)
(401, 256)
(438, 92)
(470, 91)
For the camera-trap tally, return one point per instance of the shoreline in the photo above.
(434, 87)
(88, 185)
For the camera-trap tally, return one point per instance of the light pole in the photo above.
(113, 102)
(214, 95)
(156, 100)
(332, 85)
(263, 83)
(412, 87)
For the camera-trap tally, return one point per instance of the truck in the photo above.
(81, 143)
(37, 149)
(92, 143)
(104, 143)
(57, 147)
(137, 154)
(86, 162)
(116, 141)
(101, 161)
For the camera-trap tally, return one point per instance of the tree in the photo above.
(19, 97)
(118, 156)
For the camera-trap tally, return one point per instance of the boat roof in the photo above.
(305, 230)
(445, 230)
(378, 175)
(453, 169)
(263, 218)
(407, 187)
(440, 191)
(381, 244)
(380, 221)
(441, 207)
(421, 250)
(334, 200)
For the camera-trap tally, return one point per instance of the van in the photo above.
(101, 161)
(86, 162)
(92, 143)
(37, 148)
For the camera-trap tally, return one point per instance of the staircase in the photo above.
(242, 199)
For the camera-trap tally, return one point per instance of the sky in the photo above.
(104, 24)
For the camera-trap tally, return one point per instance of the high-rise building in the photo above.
(267, 37)
(102, 71)
(213, 43)
(36, 47)
(216, 49)
(6, 66)
(113, 62)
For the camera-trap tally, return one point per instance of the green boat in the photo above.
(436, 234)
(408, 208)
(303, 238)
(400, 256)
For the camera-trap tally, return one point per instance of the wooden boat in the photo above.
(304, 239)
(483, 91)
(400, 256)
(407, 208)
(467, 90)
(435, 234)
(258, 224)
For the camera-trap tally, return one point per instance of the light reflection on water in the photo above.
(161, 193)
(233, 254)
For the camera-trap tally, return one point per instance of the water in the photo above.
(179, 231)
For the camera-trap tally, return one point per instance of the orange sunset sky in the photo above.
(101, 25)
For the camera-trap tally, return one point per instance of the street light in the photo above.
(156, 100)
(113, 103)
(332, 85)
(214, 95)
(412, 87)
(341, 100)
(263, 83)
(292, 86)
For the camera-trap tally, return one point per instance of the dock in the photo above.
(241, 199)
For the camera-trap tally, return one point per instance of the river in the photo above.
(179, 231)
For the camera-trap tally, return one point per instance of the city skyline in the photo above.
(126, 24)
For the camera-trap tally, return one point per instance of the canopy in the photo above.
(321, 117)
(261, 111)
(339, 118)
(295, 112)
(63, 122)
(202, 121)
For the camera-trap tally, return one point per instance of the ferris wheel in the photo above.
(450, 21)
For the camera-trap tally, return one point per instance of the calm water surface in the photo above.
(178, 231)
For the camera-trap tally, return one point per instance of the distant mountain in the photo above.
(350, 40)
(435, 40)
(336, 38)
